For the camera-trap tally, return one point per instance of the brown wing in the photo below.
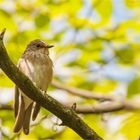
(36, 111)
(26, 122)
(16, 101)
(20, 117)
(23, 108)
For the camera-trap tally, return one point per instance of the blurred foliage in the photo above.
(97, 48)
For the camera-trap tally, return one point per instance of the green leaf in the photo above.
(131, 123)
(133, 88)
(126, 55)
(5, 81)
(41, 20)
(104, 8)
(132, 3)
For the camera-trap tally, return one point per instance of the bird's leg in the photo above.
(44, 93)
(41, 90)
(73, 107)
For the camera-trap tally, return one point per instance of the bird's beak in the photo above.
(50, 46)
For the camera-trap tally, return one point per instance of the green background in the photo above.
(97, 48)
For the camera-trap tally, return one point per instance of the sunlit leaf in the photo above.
(41, 20)
(133, 87)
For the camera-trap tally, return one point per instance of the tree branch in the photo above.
(82, 93)
(68, 116)
(96, 109)
(5, 107)
(107, 107)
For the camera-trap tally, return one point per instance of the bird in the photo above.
(36, 64)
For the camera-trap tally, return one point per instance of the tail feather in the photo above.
(36, 111)
(16, 101)
(27, 117)
(20, 117)
(23, 117)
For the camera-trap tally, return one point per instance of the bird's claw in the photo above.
(44, 93)
(73, 107)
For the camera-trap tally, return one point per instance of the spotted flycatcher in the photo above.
(37, 65)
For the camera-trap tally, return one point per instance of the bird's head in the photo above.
(37, 45)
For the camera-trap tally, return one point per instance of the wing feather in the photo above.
(16, 101)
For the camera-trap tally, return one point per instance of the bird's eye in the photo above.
(38, 46)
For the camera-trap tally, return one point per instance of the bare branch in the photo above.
(82, 93)
(6, 107)
(103, 107)
(107, 107)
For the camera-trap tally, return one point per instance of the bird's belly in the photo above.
(41, 75)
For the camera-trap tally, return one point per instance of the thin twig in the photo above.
(82, 93)
(102, 107)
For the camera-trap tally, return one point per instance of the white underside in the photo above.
(39, 74)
